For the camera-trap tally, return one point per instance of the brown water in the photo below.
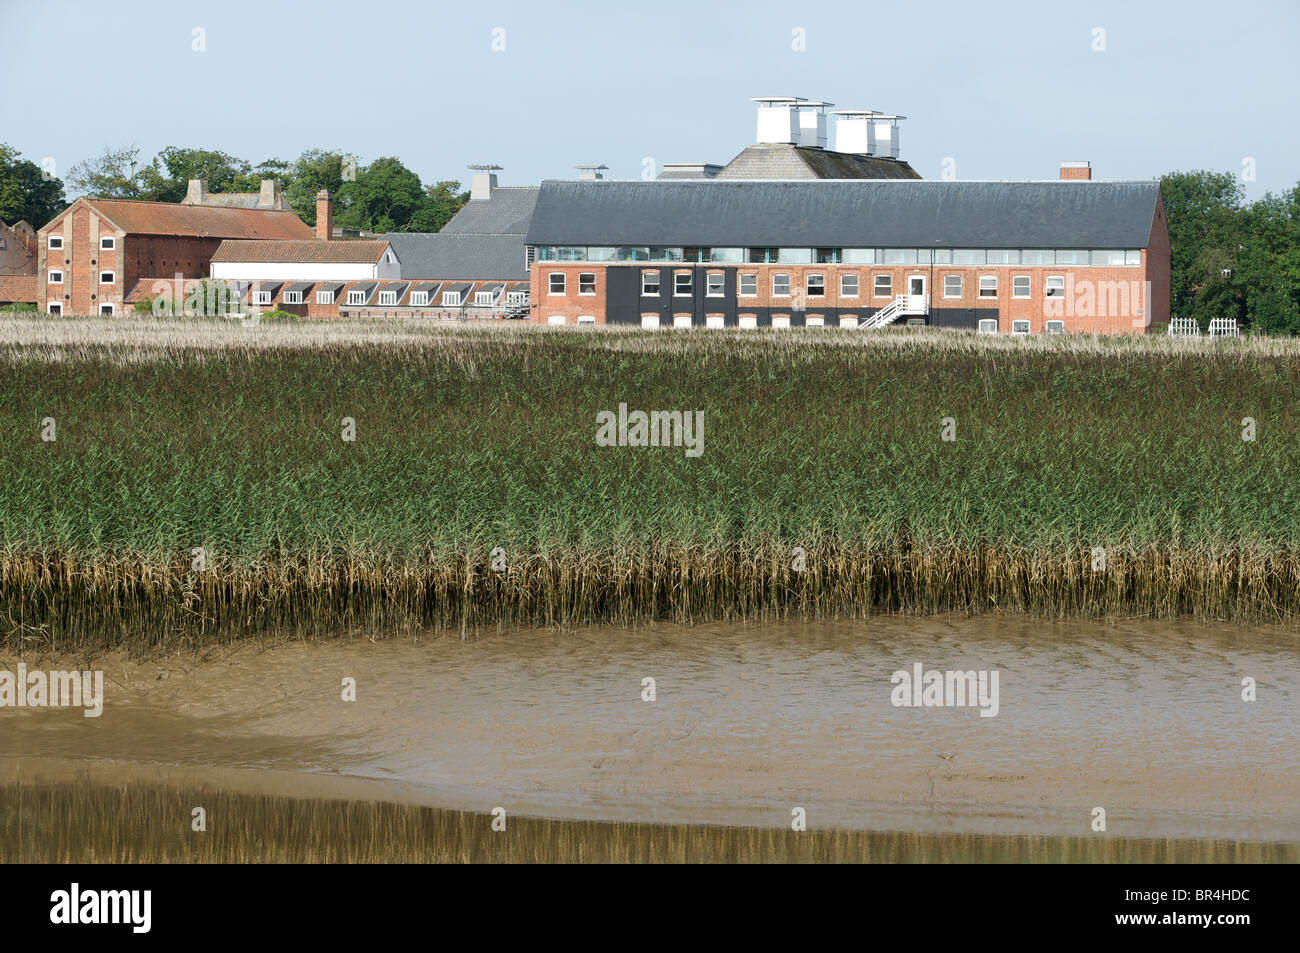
(1143, 719)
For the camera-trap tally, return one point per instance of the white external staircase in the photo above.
(901, 305)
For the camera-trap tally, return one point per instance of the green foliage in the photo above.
(26, 194)
(143, 306)
(278, 315)
(18, 307)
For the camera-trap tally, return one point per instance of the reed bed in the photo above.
(138, 823)
(174, 436)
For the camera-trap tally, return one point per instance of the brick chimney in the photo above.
(324, 216)
(1076, 170)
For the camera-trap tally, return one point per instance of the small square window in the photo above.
(556, 285)
(988, 326)
(56, 277)
(324, 297)
(883, 286)
(1055, 327)
(356, 297)
(848, 286)
(293, 297)
(586, 319)
(55, 242)
(748, 286)
(55, 308)
(1020, 286)
(587, 283)
(682, 284)
(1019, 327)
(1054, 286)
(107, 243)
(816, 285)
(715, 285)
(952, 286)
(106, 277)
(106, 309)
(420, 299)
(649, 283)
(264, 297)
(988, 286)
(388, 297)
(781, 286)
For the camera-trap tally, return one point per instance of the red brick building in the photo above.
(91, 256)
(1068, 256)
(17, 263)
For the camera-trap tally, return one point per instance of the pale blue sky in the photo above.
(1007, 90)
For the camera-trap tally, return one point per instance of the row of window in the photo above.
(106, 243)
(105, 277)
(419, 299)
(814, 285)
(1019, 326)
(1107, 257)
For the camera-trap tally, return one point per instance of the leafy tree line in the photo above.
(1231, 259)
(383, 196)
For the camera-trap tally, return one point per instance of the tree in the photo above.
(1201, 210)
(167, 178)
(114, 174)
(441, 202)
(384, 197)
(314, 170)
(26, 192)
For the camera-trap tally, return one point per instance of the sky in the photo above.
(992, 90)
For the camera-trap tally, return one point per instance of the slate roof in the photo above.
(778, 160)
(467, 256)
(165, 218)
(235, 250)
(507, 212)
(852, 214)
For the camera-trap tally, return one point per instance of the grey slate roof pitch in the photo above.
(506, 213)
(779, 160)
(299, 286)
(443, 256)
(846, 213)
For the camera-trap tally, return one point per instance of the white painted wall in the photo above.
(303, 271)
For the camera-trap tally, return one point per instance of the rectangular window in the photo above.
(517, 297)
(988, 286)
(586, 319)
(858, 256)
(780, 286)
(557, 283)
(988, 326)
(1071, 256)
(1055, 327)
(816, 286)
(952, 286)
(1037, 256)
(695, 254)
(748, 286)
(420, 299)
(356, 297)
(483, 299)
(55, 308)
(848, 286)
(649, 283)
(1019, 326)
(943, 256)
(814, 321)
(293, 297)
(106, 277)
(899, 256)
(760, 255)
(1020, 286)
(682, 284)
(795, 256)
(1054, 286)
(828, 256)
(1133, 256)
(56, 242)
(390, 297)
(106, 309)
(56, 277)
(968, 256)
(883, 286)
(1110, 259)
(587, 283)
(451, 299)
(107, 243)
(324, 297)
(1002, 256)
(714, 284)
(264, 297)
(729, 255)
